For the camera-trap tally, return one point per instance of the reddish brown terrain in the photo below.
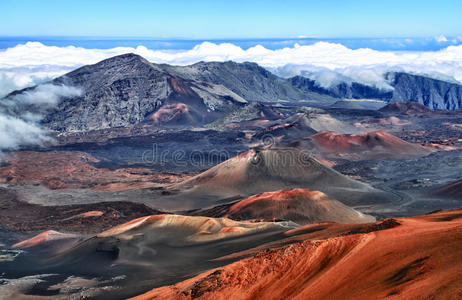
(62, 169)
(371, 145)
(42, 238)
(170, 112)
(406, 258)
(406, 108)
(89, 218)
(299, 205)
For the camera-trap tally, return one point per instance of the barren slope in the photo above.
(418, 259)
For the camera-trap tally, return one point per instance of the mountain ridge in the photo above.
(127, 89)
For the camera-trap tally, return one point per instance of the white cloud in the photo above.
(15, 132)
(20, 115)
(44, 94)
(25, 65)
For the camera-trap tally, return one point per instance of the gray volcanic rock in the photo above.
(127, 89)
(433, 93)
(117, 92)
(248, 80)
(354, 90)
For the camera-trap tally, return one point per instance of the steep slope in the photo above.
(126, 89)
(247, 79)
(353, 90)
(405, 87)
(413, 258)
(433, 93)
(171, 230)
(372, 145)
(257, 171)
(297, 205)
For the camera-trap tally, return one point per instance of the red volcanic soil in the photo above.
(412, 258)
(169, 112)
(297, 205)
(181, 87)
(453, 190)
(42, 238)
(62, 169)
(406, 108)
(371, 145)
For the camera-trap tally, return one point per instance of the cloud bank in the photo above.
(20, 115)
(31, 63)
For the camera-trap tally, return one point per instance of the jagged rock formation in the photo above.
(127, 90)
(433, 93)
(247, 79)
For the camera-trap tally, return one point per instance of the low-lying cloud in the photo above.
(20, 115)
(27, 64)
(15, 132)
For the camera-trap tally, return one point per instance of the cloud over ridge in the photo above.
(33, 62)
(20, 115)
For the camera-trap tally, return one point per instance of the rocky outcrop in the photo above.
(352, 90)
(433, 93)
(127, 89)
(249, 80)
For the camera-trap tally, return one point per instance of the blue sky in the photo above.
(204, 19)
